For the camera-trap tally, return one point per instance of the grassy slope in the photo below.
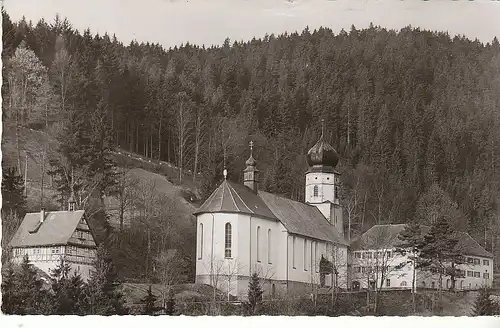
(33, 142)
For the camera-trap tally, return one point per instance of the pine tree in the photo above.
(483, 305)
(170, 306)
(13, 196)
(32, 297)
(9, 296)
(104, 288)
(149, 303)
(411, 242)
(254, 295)
(68, 290)
(439, 252)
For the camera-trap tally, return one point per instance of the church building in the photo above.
(294, 247)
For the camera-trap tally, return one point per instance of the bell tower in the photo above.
(322, 181)
(251, 174)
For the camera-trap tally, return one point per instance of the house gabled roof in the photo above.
(56, 229)
(386, 236)
(298, 218)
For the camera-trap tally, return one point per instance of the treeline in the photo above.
(413, 114)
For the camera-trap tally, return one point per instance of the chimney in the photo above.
(42, 215)
(250, 174)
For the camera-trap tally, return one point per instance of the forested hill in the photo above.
(414, 114)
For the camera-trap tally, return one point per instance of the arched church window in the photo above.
(316, 256)
(305, 255)
(269, 249)
(315, 191)
(258, 244)
(200, 255)
(227, 241)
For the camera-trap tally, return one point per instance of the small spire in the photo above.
(322, 127)
(225, 173)
(251, 148)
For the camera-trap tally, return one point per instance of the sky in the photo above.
(173, 22)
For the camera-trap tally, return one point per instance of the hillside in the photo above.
(183, 197)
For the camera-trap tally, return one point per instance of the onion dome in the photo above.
(322, 154)
(251, 161)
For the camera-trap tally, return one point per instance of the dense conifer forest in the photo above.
(414, 114)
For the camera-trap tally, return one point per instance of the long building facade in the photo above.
(377, 263)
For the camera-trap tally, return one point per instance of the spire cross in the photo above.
(322, 127)
(251, 147)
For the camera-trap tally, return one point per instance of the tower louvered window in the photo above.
(315, 191)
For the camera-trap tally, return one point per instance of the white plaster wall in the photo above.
(45, 260)
(308, 271)
(425, 279)
(397, 277)
(326, 189)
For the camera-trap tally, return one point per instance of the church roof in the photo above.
(302, 219)
(56, 229)
(297, 217)
(386, 235)
(231, 197)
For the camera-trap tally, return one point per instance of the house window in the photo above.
(200, 254)
(486, 262)
(470, 260)
(477, 274)
(433, 284)
(293, 251)
(364, 255)
(315, 191)
(403, 284)
(269, 249)
(477, 261)
(305, 255)
(258, 244)
(227, 241)
(357, 255)
(486, 275)
(470, 274)
(369, 255)
(357, 269)
(388, 282)
(389, 254)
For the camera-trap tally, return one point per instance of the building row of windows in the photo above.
(83, 235)
(70, 250)
(373, 269)
(476, 261)
(475, 274)
(376, 254)
(310, 254)
(403, 283)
